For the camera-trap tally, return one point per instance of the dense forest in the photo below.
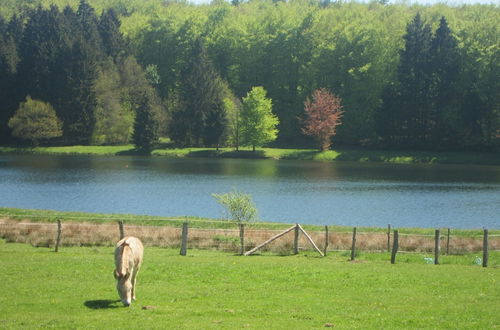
(119, 71)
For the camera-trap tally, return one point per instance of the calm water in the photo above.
(285, 191)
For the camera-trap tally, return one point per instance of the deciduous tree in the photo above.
(258, 123)
(35, 121)
(323, 115)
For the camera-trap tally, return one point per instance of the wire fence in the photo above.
(43, 234)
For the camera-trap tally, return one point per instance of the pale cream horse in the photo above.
(128, 259)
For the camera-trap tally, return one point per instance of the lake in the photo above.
(323, 193)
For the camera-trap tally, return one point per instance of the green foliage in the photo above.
(238, 206)
(440, 92)
(114, 118)
(35, 121)
(257, 122)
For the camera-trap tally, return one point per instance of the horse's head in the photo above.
(124, 287)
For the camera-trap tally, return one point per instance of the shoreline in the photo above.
(353, 155)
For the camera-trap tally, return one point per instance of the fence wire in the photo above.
(107, 234)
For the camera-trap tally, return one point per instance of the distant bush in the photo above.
(238, 206)
(35, 120)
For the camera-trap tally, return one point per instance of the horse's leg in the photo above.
(134, 275)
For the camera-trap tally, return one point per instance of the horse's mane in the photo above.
(124, 259)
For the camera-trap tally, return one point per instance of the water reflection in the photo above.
(309, 192)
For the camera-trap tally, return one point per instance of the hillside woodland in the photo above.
(121, 71)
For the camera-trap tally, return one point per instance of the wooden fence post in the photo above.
(395, 246)
(242, 238)
(59, 232)
(296, 240)
(485, 248)
(326, 241)
(389, 238)
(437, 246)
(122, 232)
(353, 248)
(448, 242)
(184, 238)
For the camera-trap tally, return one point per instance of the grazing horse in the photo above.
(128, 260)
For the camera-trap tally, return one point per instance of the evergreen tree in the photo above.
(414, 78)
(445, 112)
(215, 125)
(79, 99)
(89, 28)
(197, 120)
(43, 41)
(8, 68)
(146, 128)
(389, 118)
(415, 81)
(112, 39)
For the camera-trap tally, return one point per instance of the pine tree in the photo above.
(445, 57)
(8, 67)
(112, 39)
(215, 125)
(78, 96)
(146, 128)
(415, 81)
(199, 119)
(89, 28)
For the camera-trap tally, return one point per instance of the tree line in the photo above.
(406, 76)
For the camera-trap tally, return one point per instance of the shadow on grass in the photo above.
(258, 154)
(301, 155)
(133, 152)
(102, 304)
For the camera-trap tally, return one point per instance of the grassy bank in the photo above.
(36, 215)
(391, 156)
(213, 290)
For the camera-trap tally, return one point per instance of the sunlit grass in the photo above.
(212, 290)
(356, 155)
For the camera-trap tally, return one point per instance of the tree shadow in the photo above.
(301, 155)
(258, 154)
(129, 152)
(102, 304)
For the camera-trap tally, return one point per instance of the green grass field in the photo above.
(388, 156)
(213, 290)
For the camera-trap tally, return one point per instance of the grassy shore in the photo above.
(391, 156)
(213, 290)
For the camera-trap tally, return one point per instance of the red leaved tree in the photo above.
(323, 115)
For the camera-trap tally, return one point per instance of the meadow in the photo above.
(74, 288)
(357, 155)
